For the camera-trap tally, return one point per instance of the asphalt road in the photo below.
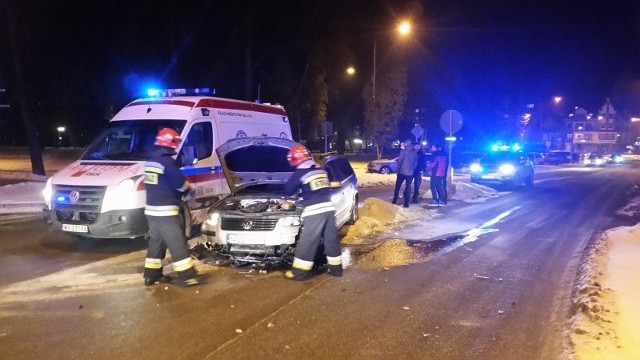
(499, 291)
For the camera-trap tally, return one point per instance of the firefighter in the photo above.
(318, 215)
(165, 186)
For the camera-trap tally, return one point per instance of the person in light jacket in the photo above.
(438, 168)
(407, 162)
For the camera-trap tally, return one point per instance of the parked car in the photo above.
(559, 157)
(383, 166)
(257, 222)
(535, 157)
(510, 168)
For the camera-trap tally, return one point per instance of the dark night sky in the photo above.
(468, 55)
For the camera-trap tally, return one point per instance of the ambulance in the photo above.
(102, 194)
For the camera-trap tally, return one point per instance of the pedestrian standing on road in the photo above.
(421, 167)
(438, 167)
(318, 215)
(165, 185)
(407, 162)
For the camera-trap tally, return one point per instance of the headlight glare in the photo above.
(507, 169)
(475, 167)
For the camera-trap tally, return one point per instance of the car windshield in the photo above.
(271, 159)
(129, 139)
(500, 156)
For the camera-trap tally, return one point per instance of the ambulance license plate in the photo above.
(75, 228)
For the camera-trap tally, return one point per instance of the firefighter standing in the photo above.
(165, 185)
(318, 215)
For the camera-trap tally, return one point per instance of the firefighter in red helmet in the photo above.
(318, 215)
(165, 185)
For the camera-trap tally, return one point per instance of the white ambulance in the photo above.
(102, 194)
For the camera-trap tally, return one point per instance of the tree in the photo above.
(382, 118)
(19, 40)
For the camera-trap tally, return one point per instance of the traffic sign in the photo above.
(451, 121)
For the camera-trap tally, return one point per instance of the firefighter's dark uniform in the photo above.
(318, 220)
(165, 185)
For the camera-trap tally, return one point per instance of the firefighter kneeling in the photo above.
(318, 215)
(165, 186)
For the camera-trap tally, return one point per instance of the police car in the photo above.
(506, 165)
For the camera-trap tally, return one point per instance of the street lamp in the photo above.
(404, 29)
(60, 129)
(557, 99)
(351, 70)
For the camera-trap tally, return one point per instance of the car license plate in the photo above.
(244, 239)
(75, 228)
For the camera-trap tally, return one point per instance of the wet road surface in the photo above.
(483, 281)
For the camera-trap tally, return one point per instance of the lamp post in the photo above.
(60, 129)
(404, 29)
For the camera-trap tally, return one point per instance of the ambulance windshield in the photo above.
(128, 139)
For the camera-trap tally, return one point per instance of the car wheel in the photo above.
(385, 170)
(354, 212)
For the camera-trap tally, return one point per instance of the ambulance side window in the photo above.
(200, 137)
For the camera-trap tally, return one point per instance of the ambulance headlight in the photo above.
(290, 221)
(48, 191)
(507, 169)
(214, 219)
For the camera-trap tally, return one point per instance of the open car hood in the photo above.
(255, 160)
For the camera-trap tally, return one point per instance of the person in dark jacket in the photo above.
(407, 162)
(318, 215)
(421, 167)
(165, 185)
(438, 168)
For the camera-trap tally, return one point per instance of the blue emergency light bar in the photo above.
(514, 147)
(180, 92)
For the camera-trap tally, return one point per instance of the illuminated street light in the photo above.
(557, 99)
(60, 129)
(635, 119)
(351, 70)
(404, 29)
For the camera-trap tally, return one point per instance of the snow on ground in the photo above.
(24, 197)
(606, 298)
(633, 207)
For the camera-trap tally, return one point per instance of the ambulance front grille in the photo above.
(244, 224)
(77, 204)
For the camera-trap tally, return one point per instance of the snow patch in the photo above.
(632, 209)
(473, 193)
(606, 297)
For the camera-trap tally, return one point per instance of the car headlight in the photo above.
(48, 191)
(598, 161)
(618, 159)
(291, 221)
(213, 219)
(126, 186)
(507, 169)
(475, 167)
(587, 161)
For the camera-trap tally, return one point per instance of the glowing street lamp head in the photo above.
(557, 99)
(404, 28)
(351, 70)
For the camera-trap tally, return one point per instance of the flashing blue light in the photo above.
(60, 199)
(495, 147)
(153, 92)
(450, 138)
(516, 147)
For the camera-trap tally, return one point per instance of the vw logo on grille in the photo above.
(74, 196)
(247, 224)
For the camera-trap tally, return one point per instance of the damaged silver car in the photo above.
(257, 222)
